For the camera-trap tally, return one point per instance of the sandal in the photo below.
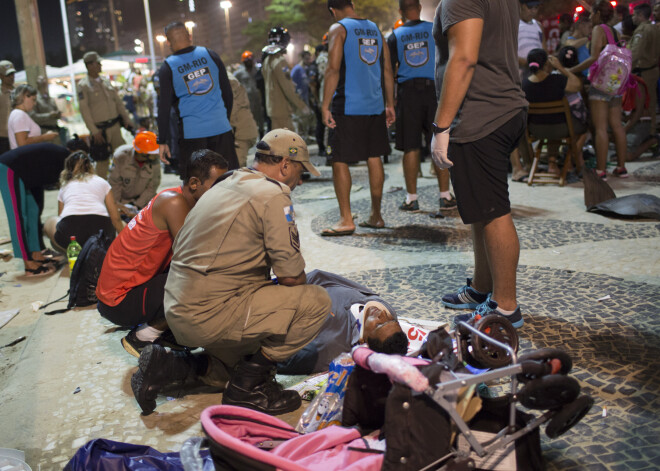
(52, 255)
(42, 270)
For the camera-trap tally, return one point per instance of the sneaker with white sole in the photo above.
(489, 308)
(465, 298)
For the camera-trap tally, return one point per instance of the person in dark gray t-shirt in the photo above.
(484, 109)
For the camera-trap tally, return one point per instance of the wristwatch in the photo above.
(437, 130)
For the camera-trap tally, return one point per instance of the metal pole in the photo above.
(69, 57)
(150, 35)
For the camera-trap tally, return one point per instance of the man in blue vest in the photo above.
(194, 80)
(358, 67)
(413, 58)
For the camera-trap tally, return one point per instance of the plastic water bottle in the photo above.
(72, 252)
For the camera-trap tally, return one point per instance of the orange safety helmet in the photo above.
(246, 55)
(398, 23)
(146, 142)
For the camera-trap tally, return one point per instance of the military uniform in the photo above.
(219, 294)
(130, 182)
(99, 103)
(645, 47)
(242, 121)
(248, 79)
(281, 96)
(42, 115)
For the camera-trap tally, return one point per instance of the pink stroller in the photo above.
(242, 439)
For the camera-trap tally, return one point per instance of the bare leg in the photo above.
(50, 227)
(601, 140)
(503, 250)
(518, 171)
(341, 178)
(482, 279)
(443, 178)
(411, 169)
(643, 147)
(614, 118)
(376, 181)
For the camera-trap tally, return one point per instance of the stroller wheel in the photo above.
(549, 392)
(546, 359)
(568, 416)
(498, 328)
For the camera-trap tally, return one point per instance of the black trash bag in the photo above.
(640, 205)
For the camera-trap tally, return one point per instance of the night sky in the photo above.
(52, 30)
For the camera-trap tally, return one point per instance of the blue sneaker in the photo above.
(489, 307)
(466, 297)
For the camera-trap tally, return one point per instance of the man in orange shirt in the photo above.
(132, 281)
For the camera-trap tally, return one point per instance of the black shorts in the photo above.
(223, 144)
(479, 173)
(144, 303)
(415, 111)
(83, 227)
(356, 138)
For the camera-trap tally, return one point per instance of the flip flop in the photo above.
(370, 226)
(43, 270)
(330, 232)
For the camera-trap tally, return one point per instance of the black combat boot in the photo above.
(159, 369)
(253, 385)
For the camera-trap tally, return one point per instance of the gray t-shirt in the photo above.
(441, 49)
(494, 95)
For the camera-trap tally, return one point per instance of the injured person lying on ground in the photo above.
(358, 316)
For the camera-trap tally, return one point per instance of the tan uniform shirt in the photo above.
(645, 46)
(5, 109)
(241, 228)
(245, 129)
(41, 113)
(281, 96)
(131, 183)
(99, 102)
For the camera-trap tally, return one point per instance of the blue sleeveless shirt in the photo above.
(195, 78)
(360, 91)
(416, 51)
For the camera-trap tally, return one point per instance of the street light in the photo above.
(189, 26)
(226, 5)
(161, 40)
(139, 46)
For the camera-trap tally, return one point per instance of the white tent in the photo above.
(108, 67)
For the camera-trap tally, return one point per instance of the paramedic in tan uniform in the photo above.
(281, 97)
(100, 104)
(645, 47)
(242, 121)
(219, 294)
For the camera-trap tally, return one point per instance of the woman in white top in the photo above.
(85, 204)
(21, 128)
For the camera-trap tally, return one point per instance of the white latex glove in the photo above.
(439, 145)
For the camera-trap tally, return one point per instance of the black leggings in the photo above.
(144, 303)
(83, 227)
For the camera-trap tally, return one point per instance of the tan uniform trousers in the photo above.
(650, 78)
(281, 321)
(242, 148)
(278, 122)
(113, 136)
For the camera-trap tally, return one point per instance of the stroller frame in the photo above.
(505, 436)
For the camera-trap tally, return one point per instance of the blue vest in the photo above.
(360, 86)
(416, 51)
(195, 78)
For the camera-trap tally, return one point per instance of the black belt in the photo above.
(103, 125)
(50, 128)
(639, 70)
(419, 81)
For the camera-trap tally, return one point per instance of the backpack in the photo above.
(86, 272)
(611, 73)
